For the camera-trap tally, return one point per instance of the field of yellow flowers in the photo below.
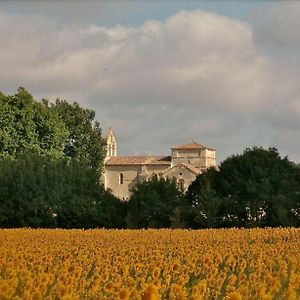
(150, 264)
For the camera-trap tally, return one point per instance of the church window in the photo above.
(113, 150)
(181, 185)
(121, 178)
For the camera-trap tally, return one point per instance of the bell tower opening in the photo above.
(111, 144)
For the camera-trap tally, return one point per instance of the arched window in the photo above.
(108, 150)
(181, 184)
(121, 178)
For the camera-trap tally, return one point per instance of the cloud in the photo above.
(279, 26)
(194, 76)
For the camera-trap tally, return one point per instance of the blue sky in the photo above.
(135, 13)
(222, 73)
(160, 10)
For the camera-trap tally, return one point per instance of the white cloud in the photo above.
(279, 26)
(195, 75)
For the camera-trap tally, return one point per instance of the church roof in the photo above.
(192, 168)
(139, 160)
(191, 146)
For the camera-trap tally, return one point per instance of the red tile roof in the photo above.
(192, 168)
(139, 160)
(191, 146)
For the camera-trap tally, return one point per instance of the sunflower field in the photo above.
(150, 264)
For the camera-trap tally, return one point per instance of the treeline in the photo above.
(39, 191)
(255, 189)
(51, 160)
(54, 130)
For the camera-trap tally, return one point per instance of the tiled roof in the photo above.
(192, 145)
(139, 160)
(192, 168)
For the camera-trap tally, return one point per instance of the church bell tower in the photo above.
(111, 144)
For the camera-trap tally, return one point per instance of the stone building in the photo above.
(122, 173)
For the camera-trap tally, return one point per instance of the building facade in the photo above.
(122, 173)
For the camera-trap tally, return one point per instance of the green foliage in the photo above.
(26, 194)
(203, 202)
(260, 187)
(113, 211)
(154, 204)
(84, 142)
(43, 192)
(256, 188)
(84, 203)
(28, 126)
(50, 164)
(55, 130)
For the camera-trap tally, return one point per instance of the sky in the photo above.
(223, 73)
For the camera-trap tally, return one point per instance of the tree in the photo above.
(84, 142)
(28, 126)
(113, 211)
(203, 201)
(259, 188)
(27, 191)
(39, 191)
(256, 188)
(50, 162)
(153, 204)
(84, 202)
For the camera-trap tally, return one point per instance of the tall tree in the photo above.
(203, 201)
(259, 188)
(154, 204)
(39, 191)
(84, 142)
(28, 188)
(28, 126)
(50, 159)
(256, 188)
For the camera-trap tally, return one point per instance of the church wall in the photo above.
(210, 153)
(210, 158)
(188, 153)
(130, 178)
(180, 172)
(196, 157)
(156, 168)
(210, 162)
(196, 161)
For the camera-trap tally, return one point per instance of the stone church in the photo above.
(122, 173)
